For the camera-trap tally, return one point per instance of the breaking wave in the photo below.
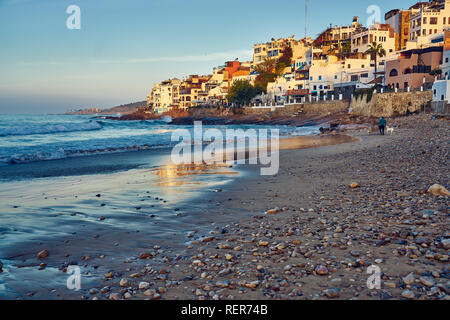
(50, 128)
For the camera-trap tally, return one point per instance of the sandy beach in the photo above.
(302, 234)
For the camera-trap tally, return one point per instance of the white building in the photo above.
(431, 18)
(164, 95)
(382, 34)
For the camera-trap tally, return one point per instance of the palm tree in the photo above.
(267, 66)
(376, 50)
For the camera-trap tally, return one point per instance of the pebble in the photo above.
(409, 279)
(144, 285)
(332, 293)
(321, 271)
(408, 294)
(427, 281)
(223, 284)
(123, 282)
(114, 296)
(43, 254)
(252, 284)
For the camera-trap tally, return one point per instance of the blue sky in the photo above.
(125, 46)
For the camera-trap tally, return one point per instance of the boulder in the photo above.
(438, 190)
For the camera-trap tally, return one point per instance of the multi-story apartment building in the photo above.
(337, 36)
(430, 18)
(399, 20)
(274, 48)
(412, 68)
(164, 95)
(383, 34)
(191, 91)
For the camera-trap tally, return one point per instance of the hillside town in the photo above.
(409, 52)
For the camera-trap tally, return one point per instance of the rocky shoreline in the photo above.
(313, 230)
(317, 227)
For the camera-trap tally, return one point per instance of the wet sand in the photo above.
(98, 221)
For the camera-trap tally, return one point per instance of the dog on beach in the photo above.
(390, 130)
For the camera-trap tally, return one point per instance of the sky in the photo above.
(124, 47)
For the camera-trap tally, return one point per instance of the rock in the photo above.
(354, 185)
(114, 296)
(207, 239)
(390, 285)
(135, 275)
(408, 294)
(355, 253)
(252, 285)
(332, 293)
(322, 271)
(123, 282)
(93, 291)
(445, 244)
(427, 281)
(263, 243)
(438, 190)
(223, 284)
(224, 272)
(43, 254)
(109, 275)
(409, 279)
(228, 257)
(149, 293)
(145, 255)
(1, 266)
(127, 295)
(144, 285)
(156, 296)
(105, 290)
(273, 211)
(199, 293)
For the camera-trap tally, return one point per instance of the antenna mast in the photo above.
(306, 18)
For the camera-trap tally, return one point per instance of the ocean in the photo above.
(32, 138)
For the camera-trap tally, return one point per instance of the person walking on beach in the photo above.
(382, 125)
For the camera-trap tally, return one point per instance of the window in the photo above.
(355, 78)
(365, 75)
(393, 73)
(425, 20)
(445, 20)
(434, 20)
(320, 78)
